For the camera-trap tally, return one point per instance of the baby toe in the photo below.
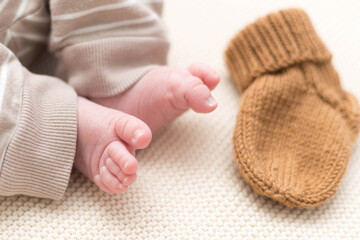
(133, 131)
(200, 100)
(208, 75)
(122, 157)
(116, 171)
(111, 182)
(100, 184)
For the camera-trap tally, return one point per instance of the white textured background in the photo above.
(188, 185)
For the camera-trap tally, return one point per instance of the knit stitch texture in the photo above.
(296, 126)
(188, 185)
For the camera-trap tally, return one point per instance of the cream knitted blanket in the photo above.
(188, 185)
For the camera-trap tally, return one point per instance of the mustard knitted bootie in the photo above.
(296, 126)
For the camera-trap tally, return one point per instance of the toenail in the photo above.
(120, 185)
(125, 180)
(211, 101)
(125, 165)
(137, 133)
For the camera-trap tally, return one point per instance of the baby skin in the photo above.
(108, 135)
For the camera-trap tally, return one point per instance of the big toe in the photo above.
(133, 131)
(207, 74)
(198, 96)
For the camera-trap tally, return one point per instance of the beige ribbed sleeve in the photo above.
(103, 47)
(38, 131)
(37, 113)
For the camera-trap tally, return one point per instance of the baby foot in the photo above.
(106, 145)
(164, 93)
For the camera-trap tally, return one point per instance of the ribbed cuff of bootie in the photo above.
(273, 42)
